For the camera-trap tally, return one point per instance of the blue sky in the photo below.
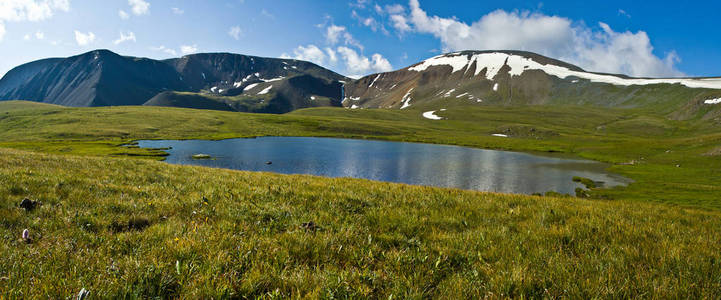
(359, 37)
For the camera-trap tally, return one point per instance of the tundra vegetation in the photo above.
(112, 220)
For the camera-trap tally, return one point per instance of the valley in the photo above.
(110, 207)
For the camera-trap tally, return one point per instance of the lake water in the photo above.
(412, 163)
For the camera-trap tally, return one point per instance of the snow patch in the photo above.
(312, 97)
(249, 87)
(499, 135)
(354, 106)
(713, 101)
(431, 115)
(203, 75)
(448, 94)
(495, 87)
(407, 99)
(461, 95)
(374, 80)
(266, 90)
(271, 80)
(493, 62)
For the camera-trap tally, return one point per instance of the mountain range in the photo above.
(233, 82)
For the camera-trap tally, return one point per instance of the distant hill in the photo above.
(103, 78)
(234, 82)
(524, 78)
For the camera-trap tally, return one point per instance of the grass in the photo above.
(671, 161)
(126, 228)
(122, 225)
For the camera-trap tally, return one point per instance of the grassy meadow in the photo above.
(120, 224)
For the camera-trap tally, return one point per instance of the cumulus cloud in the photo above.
(123, 15)
(177, 11)
(311, 53)
(139, 7)
(400, 23)
(84, 39)
(394, 9)
(29, 10)
(358, 65)
(353, 63)
(235, 32)
(335, 34)
(188, 49)
(164, 49)
(602, 50)
(370, 22)
(125, 37)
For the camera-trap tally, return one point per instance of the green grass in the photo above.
(671, 161)
(124, 227)
(121, 225)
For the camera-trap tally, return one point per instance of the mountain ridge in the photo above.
(104, 78)
(237, 82)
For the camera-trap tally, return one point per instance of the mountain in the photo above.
(97, 78)
(234, 82)
(103, 78)
(524, 78)
(277, 95)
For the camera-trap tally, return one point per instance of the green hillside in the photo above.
(119, 224)
(122, 227)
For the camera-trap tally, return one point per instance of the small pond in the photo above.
(411, 163)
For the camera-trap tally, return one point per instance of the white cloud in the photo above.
(400, 23)
(165, 50)
(379, 9)
(28, 10)
(358, 65)
(557, 37)
(622, 12)
(266, 14)
(2, 31)
(177, 11)
(370, 22)
(352, 62)
(188, 49)
(332, 56)
(235, 32)
(84, 39)
(309, 53)
(26, 37)
(139, 7)
(335, 33)
(124, 37)
(395, 9)
(381, 64)
(358, 3)
(123, 15)
(39, 35)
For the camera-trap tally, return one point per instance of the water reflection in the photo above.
(422, 164)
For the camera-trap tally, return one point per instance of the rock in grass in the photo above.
(26, 236)
(310, 226)
(201, 156)
(28, 204)
(83, 294)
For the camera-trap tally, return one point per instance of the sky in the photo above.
(360, 37)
